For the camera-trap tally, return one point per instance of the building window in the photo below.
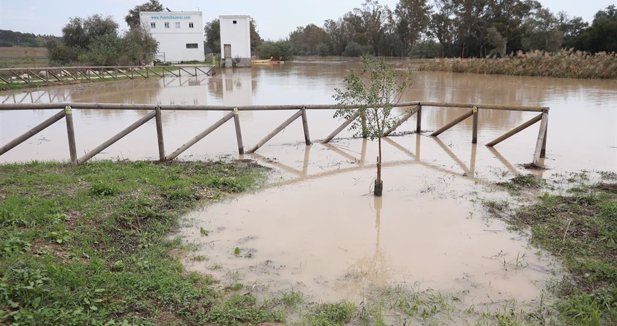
(177, 24)
(235, 21)
(190, 25)
(191, 45)
(166, 25)
(152, 25)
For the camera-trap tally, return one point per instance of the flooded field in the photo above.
(332, 240)
(316, 228)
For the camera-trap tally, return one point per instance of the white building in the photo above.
(235, 40)
(180, 34)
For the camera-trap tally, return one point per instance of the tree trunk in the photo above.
(378, 190)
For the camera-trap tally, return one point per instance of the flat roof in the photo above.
(170, 12)
(234, 16)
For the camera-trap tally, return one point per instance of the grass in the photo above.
(21, 57)
(581, 229)
(522, 182)
(89, 244)
(562, 64)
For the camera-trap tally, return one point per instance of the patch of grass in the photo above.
(89, 244)
(239, 310)
(520, 182)
(581, 229)
(330, 314)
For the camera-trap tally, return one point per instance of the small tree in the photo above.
(375, 89)
(132, 19)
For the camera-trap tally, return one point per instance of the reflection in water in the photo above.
(237, 87)
(372, 270)
(298, 174)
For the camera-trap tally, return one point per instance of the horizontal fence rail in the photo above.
(51, 75)
(412, 108)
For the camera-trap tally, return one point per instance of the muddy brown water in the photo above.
(315, 227)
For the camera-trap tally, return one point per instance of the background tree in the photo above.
(309, 40)
(256, 39)
(602, 34)
(212, 31)
(376, 89)
(543, 32)
(442, 26)
(95, 41)
(571, 28)
(282, 50)
(498, 42)
(132, 19)
(412, 20)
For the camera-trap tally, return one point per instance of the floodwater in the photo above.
(332, 240)
(315, 227)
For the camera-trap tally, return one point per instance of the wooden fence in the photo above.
(155, 112)
(50, 75)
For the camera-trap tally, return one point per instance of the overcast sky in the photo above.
(275, 18)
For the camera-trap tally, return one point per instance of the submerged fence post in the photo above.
(419, 119)
(541, 141)
(70, 131)
(238, 132)
(474, 137)
(159, 132)
(307, 137)
(543, 151)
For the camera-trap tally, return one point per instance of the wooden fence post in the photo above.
(474, 137)
(419, 119)
(159, 132)
(238, 132)
(70, 131)
(540, 143)
(307, 138)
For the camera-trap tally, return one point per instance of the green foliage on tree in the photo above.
(10, 38)
(212, 31)
(310, 40)
(95, 40)
(375, 89)
(132, 19)
(543, 32)
(256, 39)
(412, 19)
(602, 34)
(461, 28)
(279, 50)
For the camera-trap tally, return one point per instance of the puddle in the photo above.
(329, 238)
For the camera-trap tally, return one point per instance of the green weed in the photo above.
(331, 314)
(89, 244)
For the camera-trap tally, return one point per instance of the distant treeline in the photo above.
(11, 38)
(454, 28)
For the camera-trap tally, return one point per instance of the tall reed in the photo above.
(562, 64)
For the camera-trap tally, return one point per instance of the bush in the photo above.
(354, 49)
(282, 50)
